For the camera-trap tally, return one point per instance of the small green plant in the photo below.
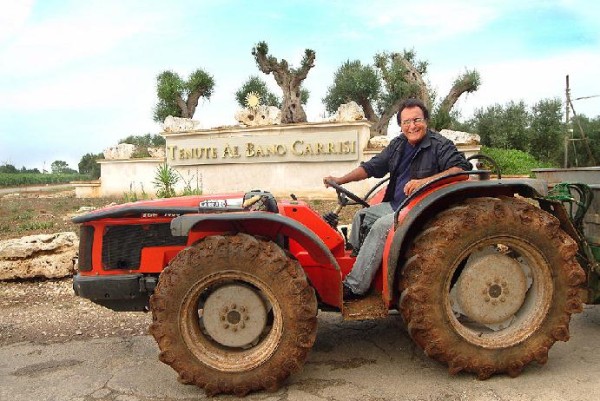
(132, 195)
(187, 188)
(165, 180)
(25, 216)
(36, 225)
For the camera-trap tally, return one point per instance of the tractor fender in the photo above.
(411, 219)
(265, 224)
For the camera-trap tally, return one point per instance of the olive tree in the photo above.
(289, 80)
(379, 89)
(178, 97)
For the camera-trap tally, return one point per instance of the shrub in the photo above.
(165, 179)
(513, 162)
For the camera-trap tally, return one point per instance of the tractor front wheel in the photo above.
(489, 285)
(234, 314)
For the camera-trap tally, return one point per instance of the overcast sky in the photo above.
(77, 76)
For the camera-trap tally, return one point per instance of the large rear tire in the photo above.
(234, 314)
(489, 285)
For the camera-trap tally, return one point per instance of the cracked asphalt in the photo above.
(373, 360)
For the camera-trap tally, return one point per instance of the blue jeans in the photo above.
(380, 218)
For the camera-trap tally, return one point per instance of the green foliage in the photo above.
(165, 179)
(442, 114)
(512, 161)
(578, 152)
(143, 142)
(88, 165)
(546, 131)
(187, 187)
(503, 126)
(36, 225)
(179, 98)
(353, 82)
(538, 131)
(258, 86)
(8, 169)
(394, 77)
(24, 179)
(394, 74)
(60, 167)
(132, 194)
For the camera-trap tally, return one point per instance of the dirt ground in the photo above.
(47, 311)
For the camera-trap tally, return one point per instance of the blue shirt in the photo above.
(408, 153)
(436, 154)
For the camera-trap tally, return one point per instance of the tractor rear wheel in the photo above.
(489, 285)
(234, 314)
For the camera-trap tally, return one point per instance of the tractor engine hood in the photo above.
(167, 207)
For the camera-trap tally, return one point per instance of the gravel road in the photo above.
(55, 346)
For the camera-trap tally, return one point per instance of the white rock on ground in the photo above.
(43, 255)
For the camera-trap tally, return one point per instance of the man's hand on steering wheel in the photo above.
(342, 192)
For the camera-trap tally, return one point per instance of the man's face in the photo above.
(413, 124)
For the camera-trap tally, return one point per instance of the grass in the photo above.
(50, 212)
(41, 213)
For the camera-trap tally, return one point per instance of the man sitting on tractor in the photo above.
(414, 158)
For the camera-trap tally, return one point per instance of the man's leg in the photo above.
(370, 256)
(371, 215)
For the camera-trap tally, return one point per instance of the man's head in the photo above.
(412, 119)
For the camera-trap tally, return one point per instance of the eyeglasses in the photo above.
(417, 121)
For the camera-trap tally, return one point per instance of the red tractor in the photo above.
(486, 274)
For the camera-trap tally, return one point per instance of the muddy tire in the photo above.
(489, 285)
(234, 314)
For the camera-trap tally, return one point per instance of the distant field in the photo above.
(23, 179)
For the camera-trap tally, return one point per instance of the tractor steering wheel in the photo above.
(342, 192)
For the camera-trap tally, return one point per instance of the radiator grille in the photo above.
(122, 245)
(86, 240)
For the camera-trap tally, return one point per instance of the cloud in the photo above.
(13, 17)
(101, 89)
(74, 34)
(530, 80)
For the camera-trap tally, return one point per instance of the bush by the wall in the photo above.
(23, 179)
(513, 162)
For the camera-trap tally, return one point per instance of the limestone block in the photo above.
(349, 112)
(378, 142)
(259, 116)
(119, 152)
(43, 255)
(157, 153)
(461, 138)
(178, 124)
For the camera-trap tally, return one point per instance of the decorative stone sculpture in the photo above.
(44, 255)
(157, 153)
(258, 116)
(378, 142)
(178, 124)
(349, 112)
(461, 138)
(121, 151)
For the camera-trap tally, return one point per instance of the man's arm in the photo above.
(412, 185)
(357, 174)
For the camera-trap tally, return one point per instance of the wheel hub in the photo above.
(491, 289)
(234, 315)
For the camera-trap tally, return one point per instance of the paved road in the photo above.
(350, 361)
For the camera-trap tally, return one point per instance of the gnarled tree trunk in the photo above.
(288, 79)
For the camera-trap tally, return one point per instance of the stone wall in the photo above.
(282, 159)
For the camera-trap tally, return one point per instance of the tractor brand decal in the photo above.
(329, 147)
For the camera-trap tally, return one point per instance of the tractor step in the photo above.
(367, 308)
